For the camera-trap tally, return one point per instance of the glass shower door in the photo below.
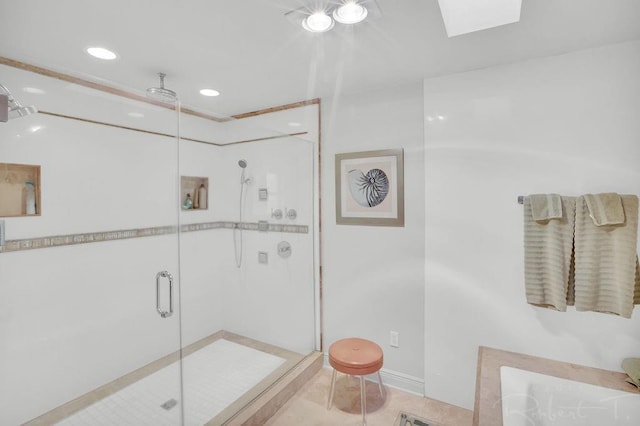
(89, 305)
(247, 272)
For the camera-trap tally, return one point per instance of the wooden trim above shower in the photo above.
(103, 88)
(285, 107)
(136, 97)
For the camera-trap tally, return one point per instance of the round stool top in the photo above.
(355, 356)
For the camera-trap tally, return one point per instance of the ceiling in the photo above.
(257, 58)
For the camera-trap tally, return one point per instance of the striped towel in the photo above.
(605, 209)
(606, 263)
(547, 252)
(545, 206)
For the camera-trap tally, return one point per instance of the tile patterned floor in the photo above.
(308, 406)
(215, 376)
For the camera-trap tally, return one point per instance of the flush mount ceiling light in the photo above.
(351, 12)
(317, 22)
(101, 53)
(209, 92)
(322, 20)
(466, 16)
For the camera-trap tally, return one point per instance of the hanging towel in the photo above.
(545, 206)
(605, 209)
(606, 260)
(547, 256)
(636, 296)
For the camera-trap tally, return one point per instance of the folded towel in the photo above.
(545, 206)
(605, 209)
(547, 255)
(606, 261)
(631, 366)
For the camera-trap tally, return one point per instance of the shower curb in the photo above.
(266, 405)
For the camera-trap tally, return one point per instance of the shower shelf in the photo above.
(13, 194)
(190, 185)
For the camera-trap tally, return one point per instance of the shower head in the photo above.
(242, 163)
(14, 108)
(161, 93)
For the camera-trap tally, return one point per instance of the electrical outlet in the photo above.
(393, 339)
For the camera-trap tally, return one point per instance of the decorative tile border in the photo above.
(96, 237)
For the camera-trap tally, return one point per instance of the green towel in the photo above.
(632, 367)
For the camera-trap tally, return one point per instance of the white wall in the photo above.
(203, 307)
(373, 277)
(567, 124)
(273, 303)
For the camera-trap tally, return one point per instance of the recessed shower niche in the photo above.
(19, 190)
(194, 193)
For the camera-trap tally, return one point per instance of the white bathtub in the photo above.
(532, 399)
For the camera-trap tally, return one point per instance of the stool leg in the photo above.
(331, 389)
(363, 400)
(380, 383)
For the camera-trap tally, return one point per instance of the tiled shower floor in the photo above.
(214, 377)
(220, 377)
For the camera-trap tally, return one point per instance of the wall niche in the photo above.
(19, 190)
(194, 193)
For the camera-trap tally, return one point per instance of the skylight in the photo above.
(466, 16)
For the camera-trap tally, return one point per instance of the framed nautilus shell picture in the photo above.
(370, 188)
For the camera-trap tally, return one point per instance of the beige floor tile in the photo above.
(309, 405)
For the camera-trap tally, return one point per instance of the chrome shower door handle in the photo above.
(159, 275)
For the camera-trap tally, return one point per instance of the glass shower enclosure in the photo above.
(122, 299)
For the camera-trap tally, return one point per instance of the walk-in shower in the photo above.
(85, 344)
(14, 108)
(237, 230)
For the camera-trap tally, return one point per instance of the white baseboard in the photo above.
(394, 379)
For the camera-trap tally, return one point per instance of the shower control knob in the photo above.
(290, 214)
(284, 249)
(276, 214)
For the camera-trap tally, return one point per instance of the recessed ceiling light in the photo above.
(209, 92)
(318, 22)
(294, 124)
(350, 13)
(101, 53)
(33, 90)
(35, 128)
(466, 16)
(135, 114)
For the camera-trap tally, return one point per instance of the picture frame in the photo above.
(370, 188)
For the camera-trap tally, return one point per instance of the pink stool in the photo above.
(355, 357)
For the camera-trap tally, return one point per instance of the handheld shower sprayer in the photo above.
(237, 246)
(243, 165)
